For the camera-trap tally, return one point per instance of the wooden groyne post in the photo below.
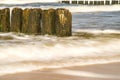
(57, 22)
(5, 20)
(16, 20)
(63, 22)
(37, 21)
(31, 22)
(91, 2)
(48, 22)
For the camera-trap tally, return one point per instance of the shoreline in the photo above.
(108, 71)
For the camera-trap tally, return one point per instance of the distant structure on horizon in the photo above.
(91, 2)
(83, 2)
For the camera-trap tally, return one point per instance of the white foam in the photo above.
(39, 52)
(107, 31)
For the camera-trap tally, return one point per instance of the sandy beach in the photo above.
(92, 72)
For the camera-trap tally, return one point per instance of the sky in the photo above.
(24, 1)
(30, 1)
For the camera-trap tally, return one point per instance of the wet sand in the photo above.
(92, 72)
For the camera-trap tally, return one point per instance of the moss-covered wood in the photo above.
(48, 22)
(16, 20)
(31, 21)
(63, 22)
(25, 21)
(5, 20)
(0, 19)
(34, 21)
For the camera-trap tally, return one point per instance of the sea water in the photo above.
(95, 40)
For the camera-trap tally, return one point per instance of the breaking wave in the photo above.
(21, 53)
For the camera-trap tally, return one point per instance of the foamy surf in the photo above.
(25, 53)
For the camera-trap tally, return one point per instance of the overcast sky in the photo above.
(25, 1)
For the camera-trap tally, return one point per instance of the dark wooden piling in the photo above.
(25, 21)
(74, 2)
(115, 2)
(32, 21)
(86, 2)
(80, 2)
(107, 2)
(98, 2)
(48, 22)
(95, 2)
(102, 2)
(5, 20)
(67, 2)
(91, 3)
(63, 22)
(36, 21)
(16, 20)
(0, 19)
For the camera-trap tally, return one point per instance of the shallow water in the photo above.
(95, 40)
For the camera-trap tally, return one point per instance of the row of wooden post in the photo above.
(91, 2)
(36, 21)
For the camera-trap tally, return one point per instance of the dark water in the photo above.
(35, 4)
(97, 20)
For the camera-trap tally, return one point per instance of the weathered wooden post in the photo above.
(35, 21)
(5, 20)
(0, 16)
(48, 22)
(80, 2)
(63, 22)
(16, 20)
(25, 21)
(74, 2)
(32, 21)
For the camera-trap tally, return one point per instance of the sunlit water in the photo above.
(95, 40)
